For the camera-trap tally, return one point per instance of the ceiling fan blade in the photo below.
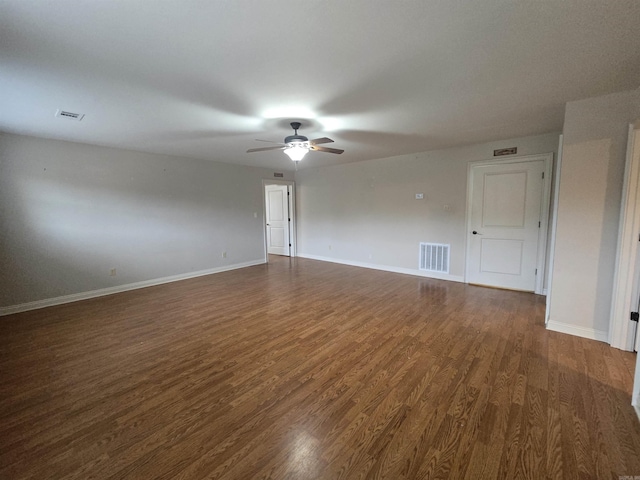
(264, 149)
(318, 141)
(326, 149)
(268, 141)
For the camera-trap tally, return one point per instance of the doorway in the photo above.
(279, 217)
(626, 285)
(635, 396)
(507, 217)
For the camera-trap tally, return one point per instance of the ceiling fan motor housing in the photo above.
(296, 139)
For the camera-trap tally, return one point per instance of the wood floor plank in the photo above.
(304, 369)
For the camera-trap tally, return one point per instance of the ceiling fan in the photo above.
(296, 146)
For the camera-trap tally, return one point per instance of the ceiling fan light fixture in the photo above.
(296, 151)
(296, 146)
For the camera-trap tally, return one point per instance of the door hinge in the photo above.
(635, 316)
(288, 193)
(289, 219)
(543, 175)
(538, 224)
(289, 244)
(536, 271)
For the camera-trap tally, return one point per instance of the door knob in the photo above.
(476, 233)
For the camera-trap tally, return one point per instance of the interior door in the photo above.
(637, 344)
(277, 216)
(506, 204)
(635, 304)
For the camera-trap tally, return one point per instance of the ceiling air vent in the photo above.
(71, 115)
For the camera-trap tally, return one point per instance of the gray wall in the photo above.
(591, 178)
(70, 212)
(368, 214)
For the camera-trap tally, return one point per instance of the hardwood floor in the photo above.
(308, 370)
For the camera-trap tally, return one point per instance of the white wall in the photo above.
(70, 212)
(595, 140)
(368, 214)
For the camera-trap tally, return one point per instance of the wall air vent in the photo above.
(71, 115)
(434, 257)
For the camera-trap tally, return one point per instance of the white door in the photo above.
(277, 216)
(506, 202)
(637, 345)
(635, 304)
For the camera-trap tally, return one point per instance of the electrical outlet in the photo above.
(112, 272)
(446, 208)
(329, 247)
(224, 254)
(419, 196)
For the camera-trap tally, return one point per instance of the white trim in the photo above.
(583, 332)
(621, 332)
(635, 397)
(554, 227)
(75, 297)
(386, 268)
(292, 210)
(545, 292)
(544, 209)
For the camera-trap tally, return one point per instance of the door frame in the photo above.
(625, 279)
(544, 206)
(291, 188)
(553, 221)
(280, 222)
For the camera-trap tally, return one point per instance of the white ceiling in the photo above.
(205, 78)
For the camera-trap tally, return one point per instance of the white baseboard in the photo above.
(386, 268)
(592, 333)
(75, 297)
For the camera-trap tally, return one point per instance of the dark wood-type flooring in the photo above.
(308, 370)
